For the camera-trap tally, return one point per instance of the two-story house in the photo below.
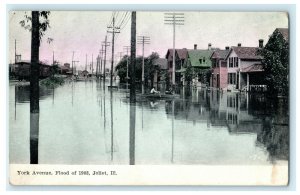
(219, 69)
(199, 60)
(244, 67)
(180, 56)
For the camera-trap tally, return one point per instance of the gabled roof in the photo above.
(194, 57)
(284, 32)
(161, 62)
(220, 54)
(181, 53)
(246, 53)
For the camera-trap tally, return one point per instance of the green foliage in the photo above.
(52, 81)
(122, 69)
(54, 69)
(189, 74)
(150, 68)
(276, 64)
(203, 75)
(43, 24)
(148, 72)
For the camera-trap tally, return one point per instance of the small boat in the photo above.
(113, 87)
(159, 96)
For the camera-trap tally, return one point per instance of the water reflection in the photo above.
(34, 138)
(23, 93)
(132, 117)
(200, 127)
(111, 126)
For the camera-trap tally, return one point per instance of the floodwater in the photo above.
(85, 123)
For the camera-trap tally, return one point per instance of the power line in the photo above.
(128, 18)
(124, 17)
(174, 19)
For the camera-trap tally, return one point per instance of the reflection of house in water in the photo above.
(23, 93)
(194, 108)
(231, 110)
(250, 114)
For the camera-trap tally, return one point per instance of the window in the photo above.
(200, 60)
(231, 78)
(236, 62)
(233, 62)
(203, 59)
(230, 62)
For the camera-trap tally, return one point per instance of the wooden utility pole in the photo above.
(73, 63)
(143, 40)
(97, 65)
(92, 67)
(105, 44)
(174, 19)
(127, 49)
(85, 62)
(132, 91)
(132, 56)
(101, 60)
(53, 59)
(15, 51)
(34, 88)
(35, 70)
(113, 30)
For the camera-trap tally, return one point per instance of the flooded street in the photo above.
(85, 123)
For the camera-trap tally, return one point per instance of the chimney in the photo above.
(261, 43)
(239, 45)
(195, 46)
(209, 46)
(227, 48)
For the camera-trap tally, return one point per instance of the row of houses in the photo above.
(235, 68)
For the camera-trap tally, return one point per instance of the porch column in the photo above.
(247, 82)
(239, 80)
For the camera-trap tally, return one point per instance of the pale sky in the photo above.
(83, 32)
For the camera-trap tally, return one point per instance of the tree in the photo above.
(37, 28)
(150, 69)
(276, 63)
(122, 69)
(189, 74)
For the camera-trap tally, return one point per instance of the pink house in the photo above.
(219, 69)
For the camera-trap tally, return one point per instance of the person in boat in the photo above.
(153, 91)
(170, 91)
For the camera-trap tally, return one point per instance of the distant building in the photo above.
(67, 65)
